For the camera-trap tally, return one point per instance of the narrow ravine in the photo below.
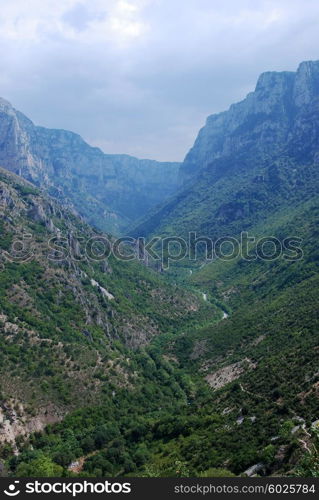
(225, 314)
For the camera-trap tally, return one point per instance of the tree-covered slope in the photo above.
(261, 361)
(143, 377)
(73, 327)
(253, 169)
(218, 400)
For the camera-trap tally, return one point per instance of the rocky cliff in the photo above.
(109, 190)
(263, 122)
(246, 162)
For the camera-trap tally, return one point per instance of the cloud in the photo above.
(140, 76)
(92, 21)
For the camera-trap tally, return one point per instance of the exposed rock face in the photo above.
(14, 423)
(109, 190)
(262, 123)
(248, 160)
(227, 374)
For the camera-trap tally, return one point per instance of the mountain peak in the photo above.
(5, 105)
(306, 82)
(308, 66)
(271, 79)
(307, 70)
(259, 123)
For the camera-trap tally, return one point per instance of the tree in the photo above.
(42, 466)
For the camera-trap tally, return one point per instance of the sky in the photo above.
(141, 76)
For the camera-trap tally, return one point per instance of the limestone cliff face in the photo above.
(109, 190)
(248, 161)
(263, 123)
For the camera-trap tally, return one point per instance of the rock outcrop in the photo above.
(262, 123)
(248, 160)
(108, 190)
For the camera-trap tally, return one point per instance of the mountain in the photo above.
(75, 330)
(248, 161)
(231, 397)
(210, 369)
(110, 191)
(253, 168)
(263, 123)
(261, 361)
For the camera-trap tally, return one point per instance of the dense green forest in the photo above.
(153, 382)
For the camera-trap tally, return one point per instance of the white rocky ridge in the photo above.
(107, 294)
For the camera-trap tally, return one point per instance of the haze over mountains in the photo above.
(247, 142)
(210, 370)
(109, 190)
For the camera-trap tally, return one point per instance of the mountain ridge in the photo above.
(274, 90)
(109, 190)
(275, 128)
(208, 369)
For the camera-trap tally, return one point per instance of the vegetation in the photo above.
(153, 382)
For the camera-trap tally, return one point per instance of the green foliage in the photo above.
(268, 454)
(309, 465)
(127, 374)
(42, 466)
(216, 473)
(5, 238)
(26, 189)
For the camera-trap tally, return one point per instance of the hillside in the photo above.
(157, 392)
(208, 369)
(110, 191)
(249, 161)
(73, 327)
(254, 169)
(257, 410)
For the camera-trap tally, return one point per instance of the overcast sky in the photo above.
(141, 76)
